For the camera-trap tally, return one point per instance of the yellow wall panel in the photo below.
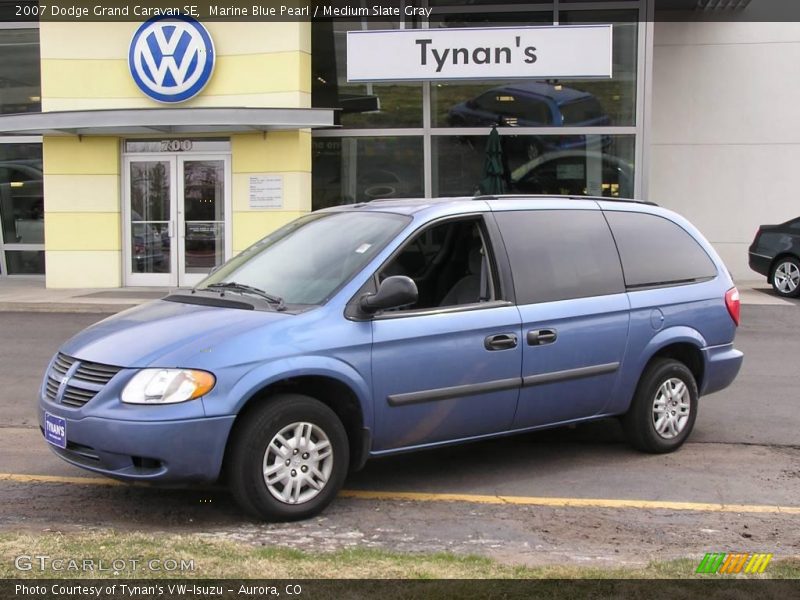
(84, 193)
(266, 100)
(296, 192)
(249, 227)
(86, 40)
(87, 79)
(82, 231)
(257, 73)
(85, 156)
(278, 151)
(233, 75)
(103, 40)
(83, 269)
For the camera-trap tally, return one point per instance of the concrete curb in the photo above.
(63, 307)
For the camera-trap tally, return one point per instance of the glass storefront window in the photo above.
(453, 127)
(362, 105)
(596, 165)
(20, 81)
(25, 262)
(21, 199)
(551, 103)
(359, 169)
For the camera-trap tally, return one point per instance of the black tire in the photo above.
(251, 438)
(787, 262)
(639, 422)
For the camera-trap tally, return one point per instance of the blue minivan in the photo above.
(390, 326)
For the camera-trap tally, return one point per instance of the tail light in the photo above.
(733, 304)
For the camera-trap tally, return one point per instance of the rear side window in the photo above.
(655, 251)
(560, 254)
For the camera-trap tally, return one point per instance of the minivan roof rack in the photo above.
(552, 196)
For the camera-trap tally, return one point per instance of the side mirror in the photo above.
(394, 292)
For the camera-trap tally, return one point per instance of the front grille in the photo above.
(74, 396)
(62, 364)
(85, 381)
(51, 388)
(95, 373)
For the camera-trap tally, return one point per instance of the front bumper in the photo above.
(189, 450)
(722, 364)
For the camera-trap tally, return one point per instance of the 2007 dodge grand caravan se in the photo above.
(369, 329)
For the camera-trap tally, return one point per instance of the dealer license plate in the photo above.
(55, 430)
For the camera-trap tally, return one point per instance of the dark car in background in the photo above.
(775, 252)
(533, 104)
(566, 173)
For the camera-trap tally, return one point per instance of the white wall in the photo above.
(725, 144)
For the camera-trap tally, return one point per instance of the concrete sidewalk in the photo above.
(31, 295)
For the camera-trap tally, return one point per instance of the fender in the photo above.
(298, 366)
(636, 360)
(679, 334)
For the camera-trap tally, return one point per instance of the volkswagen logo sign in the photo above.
(171, 58)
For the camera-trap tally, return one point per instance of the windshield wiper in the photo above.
(248, 289)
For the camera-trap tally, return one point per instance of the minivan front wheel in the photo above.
(664, 408)
(288, 458)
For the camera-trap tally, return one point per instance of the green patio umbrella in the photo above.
(493, 178)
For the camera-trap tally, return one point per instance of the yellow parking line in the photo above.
(477, 498)
(22, 478)
(572, 502)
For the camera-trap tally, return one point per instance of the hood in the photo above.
(139, 337)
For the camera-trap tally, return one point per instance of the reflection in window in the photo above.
(596, 165)
(553, 164)
(22, 206)
(559, 103)
(360, 169)
(517, 104)
(27, 262)
(361, 104)
(20, 82)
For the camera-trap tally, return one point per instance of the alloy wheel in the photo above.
(671, 408)
(787, 277)
(298, 463)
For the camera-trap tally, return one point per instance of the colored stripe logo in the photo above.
(735, 562)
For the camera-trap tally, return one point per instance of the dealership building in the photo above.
(145, 153)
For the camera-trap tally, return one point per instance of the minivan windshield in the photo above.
(306, 261)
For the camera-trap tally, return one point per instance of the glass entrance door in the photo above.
(176, 218)
(201, 198)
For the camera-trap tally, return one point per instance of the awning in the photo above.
(160, 121)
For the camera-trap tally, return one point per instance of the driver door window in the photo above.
(435, 374)
(450, 264)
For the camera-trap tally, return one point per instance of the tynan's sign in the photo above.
(551, 52)
(171, 58)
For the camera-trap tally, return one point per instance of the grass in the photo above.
(214, 558)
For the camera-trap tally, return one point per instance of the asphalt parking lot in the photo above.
(577, 493)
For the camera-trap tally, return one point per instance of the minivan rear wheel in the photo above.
(786, 277)
(288, 459)
(664, 407)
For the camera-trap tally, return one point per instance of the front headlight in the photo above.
(167, 386)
